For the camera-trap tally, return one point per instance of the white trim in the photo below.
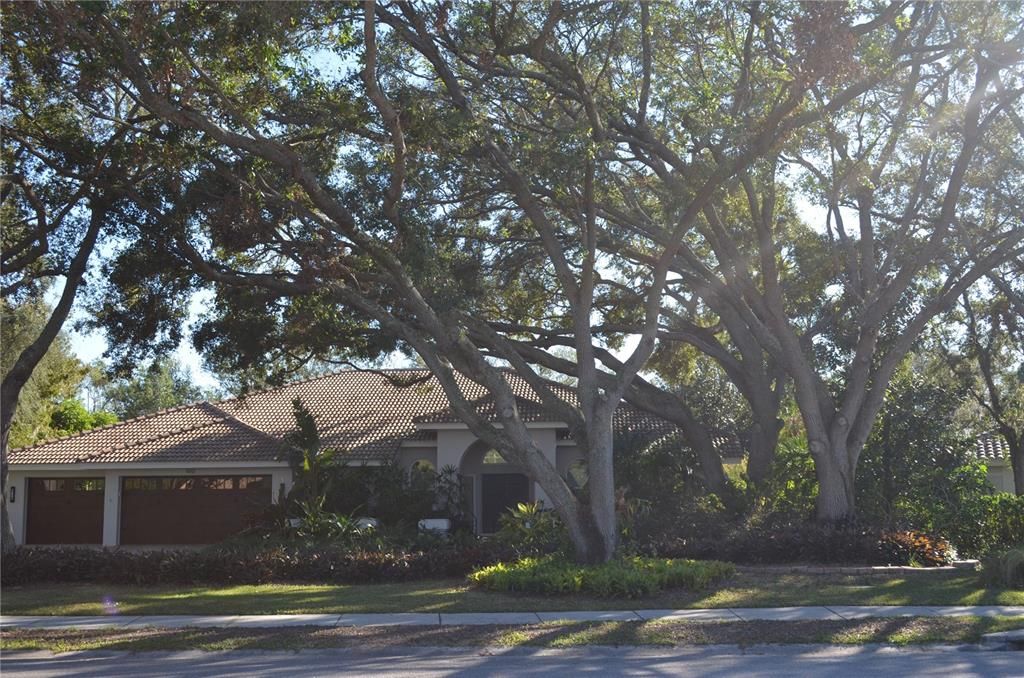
(458, 426)
(146, 466)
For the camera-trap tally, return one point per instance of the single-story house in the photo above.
(198, 473)
(991, 448)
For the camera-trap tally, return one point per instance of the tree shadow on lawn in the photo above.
(454, 595)
(551, 635)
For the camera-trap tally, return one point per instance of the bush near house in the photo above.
(986, 523)
(633, 577)
(241, 565)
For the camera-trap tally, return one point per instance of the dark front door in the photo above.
(65, 511)
(500, 492)
(190, 509)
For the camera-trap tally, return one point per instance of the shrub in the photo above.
(531, 530)
(808, 543)
(314, 522)
(240, 563)
(633, 577)
(915, 548)
(1004, 568)
(986, 522)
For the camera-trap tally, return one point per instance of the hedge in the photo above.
(811, 544)
(29, 565)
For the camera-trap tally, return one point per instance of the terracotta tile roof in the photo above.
(366, 414)
(200, 432)
(991, 446)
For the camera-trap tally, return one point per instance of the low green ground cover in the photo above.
(741, 590)
(899, 631)
(633, 577)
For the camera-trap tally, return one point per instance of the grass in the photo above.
(900, 631)
(742, 590)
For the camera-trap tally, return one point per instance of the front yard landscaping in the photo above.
(455, 595)
(899, 631)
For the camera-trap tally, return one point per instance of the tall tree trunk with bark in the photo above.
(15, 380)
(764, 441)
(835, 472)
(601, 499)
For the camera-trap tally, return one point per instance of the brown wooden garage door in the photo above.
(191, 509)
(65, 511)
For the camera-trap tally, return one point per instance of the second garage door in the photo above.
(190, 510)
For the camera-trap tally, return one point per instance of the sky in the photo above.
(89, 346)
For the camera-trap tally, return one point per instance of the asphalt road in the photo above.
(711, 662)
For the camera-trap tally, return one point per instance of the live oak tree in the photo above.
(68, 145)
(914, 187)
(657, 140)
(377, 170)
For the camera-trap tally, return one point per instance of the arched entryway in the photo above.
(494, 485)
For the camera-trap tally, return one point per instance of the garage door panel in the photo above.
(65, 511)
(190, 510)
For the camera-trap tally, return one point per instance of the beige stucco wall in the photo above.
(1000, 474)
(453, 443)
(407, 456)
(567, 454)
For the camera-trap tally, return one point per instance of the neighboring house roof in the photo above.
(991, 446)
(366, 414)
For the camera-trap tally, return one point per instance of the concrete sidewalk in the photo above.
(830, 613)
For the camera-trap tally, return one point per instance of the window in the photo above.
(215, 483)
(423, 465)
(89, 485)
(577, 475)
(252, 482)
(157, 484)
(53, 485)
(494, 457)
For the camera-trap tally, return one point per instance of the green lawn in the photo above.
(743, 590)
(900, 631)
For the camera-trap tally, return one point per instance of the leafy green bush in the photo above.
(314, 522)
(788, 495)
(531, 530)
(633, 577)
(808, 543)
(986, 522)
(907, 474)
(1004, 568)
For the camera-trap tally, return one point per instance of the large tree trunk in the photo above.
(601, 494)
(711, 470)
(835, 503)
(6, 529)
(764, 440)
(1016, 446)
(26, 363)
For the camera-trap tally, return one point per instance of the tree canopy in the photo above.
(793, 190)
(162, 384)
